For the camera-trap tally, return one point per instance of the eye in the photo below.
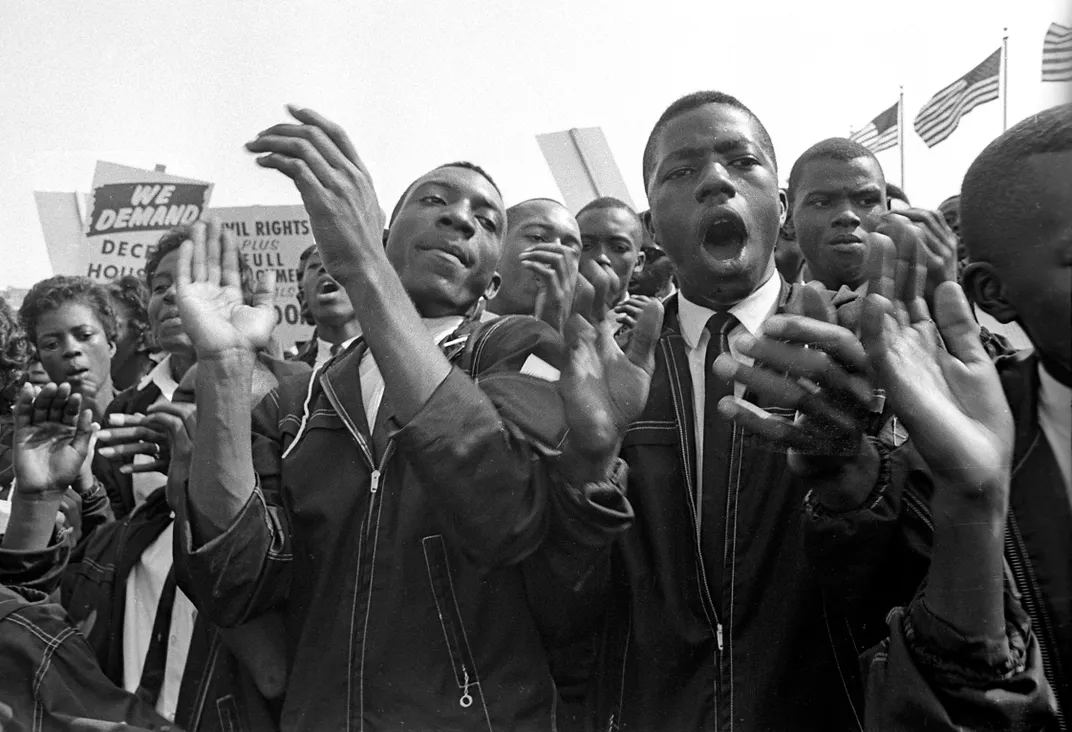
(746, 163)
(488, 223)
(820, 202)
(433, 199)
(159, 288)
(538, 238)
(49, 345)
(676, 173)
(869, 201)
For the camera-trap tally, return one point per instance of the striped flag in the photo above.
(881, 132)
(939, 117)
(1057, 54)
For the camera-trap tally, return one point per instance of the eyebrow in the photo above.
(867, 188)
(479, 200)
(721, 146)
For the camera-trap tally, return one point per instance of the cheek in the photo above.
(52, 361)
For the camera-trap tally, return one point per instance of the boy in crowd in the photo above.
(539, 263)
(386, 506)
(725, 622)
(327, 307)
(1015, 218)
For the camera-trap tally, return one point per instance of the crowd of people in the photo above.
(743, 461)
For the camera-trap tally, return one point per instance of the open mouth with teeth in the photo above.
(327, 287)
(725, 235)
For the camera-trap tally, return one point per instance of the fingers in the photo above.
(881, 266)
(184, 267)
(317, 172)
(156, 466)
(873, 329)
(212, 252)
(85, 430)
(72, 409)
(230, 271)
(264, 290)
(759, 422)
(129, 449)
(316, 141)
(839, 342)
(57, 405)
(645, 336)
(956, 324)
(24, 407)
(334, 132)
(296, 169)
(580, 337)
(814, 304)
(198, 267)
(121, 435)
(801, 362)
(602, 279)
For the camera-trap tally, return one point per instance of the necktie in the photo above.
(152, 673)
(717, 446)
(335, 350)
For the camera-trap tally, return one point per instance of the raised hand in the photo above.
(334, 184)
(134, 434)
(939, 379)
(52, 440)
(555, 267)
(603, 388)
(630, 310)
(178, 420)
(208, 291)
(937, 242)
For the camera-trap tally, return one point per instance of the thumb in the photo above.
(814, 304)
(645, 336)
(873, 326)
(957, 325)
(85, 432)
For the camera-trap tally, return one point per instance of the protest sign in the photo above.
(272, 238)
(583, 166)
(61, 223)
(129, 210)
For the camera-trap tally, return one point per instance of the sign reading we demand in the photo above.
(129, 211)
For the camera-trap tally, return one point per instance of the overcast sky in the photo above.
(421, 83)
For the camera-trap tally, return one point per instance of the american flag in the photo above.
(1057, 54)
(881, 132)
(939, 117)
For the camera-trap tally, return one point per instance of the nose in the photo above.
(459, 217)
(71, 347)
(169, 293)
(599, 254)
(715, 182)
(846, 218)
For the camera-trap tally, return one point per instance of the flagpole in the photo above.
(900, 135)
(1005, 80)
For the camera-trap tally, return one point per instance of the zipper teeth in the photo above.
(329, 390)
(1024, 576)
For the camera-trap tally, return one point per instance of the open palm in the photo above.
(52, 439)
(949, 396)
(210, 299)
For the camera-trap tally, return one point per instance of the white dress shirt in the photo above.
(323, 350)
(1055, 419)
(144, 484)
(372, 381)
(751, 314)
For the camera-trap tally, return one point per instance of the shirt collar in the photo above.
(323, 346)
(440, 328)
(161, 376)
(750, 312)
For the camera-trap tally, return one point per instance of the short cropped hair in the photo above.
(511, 213)
(131, 291)
(15, 355)
(456, 164)
(171, 241)
(833, 148)
(52, 293)
(693, 101)
(612, 202)
(992, 193)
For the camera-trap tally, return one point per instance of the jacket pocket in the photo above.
(227, 708)
(461, 657)
(651, 433)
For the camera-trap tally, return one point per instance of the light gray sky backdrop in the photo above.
(421, 83)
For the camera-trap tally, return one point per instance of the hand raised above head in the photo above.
(52, 440)
(334, 184)
(208, 291)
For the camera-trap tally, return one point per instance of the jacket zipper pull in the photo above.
(718, 636)
(376, 485)
(466, 701)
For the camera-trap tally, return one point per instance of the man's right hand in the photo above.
(52, 439)
(209, 295)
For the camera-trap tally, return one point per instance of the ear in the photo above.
(649, 225)
(493, 287)
(641, 259)
(783, 205)
(983, 286)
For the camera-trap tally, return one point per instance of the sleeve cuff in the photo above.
(39, 569)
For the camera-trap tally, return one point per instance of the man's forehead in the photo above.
(611, 217)
(463, 180)
(542, 211)
(828, 173)
(705, 126)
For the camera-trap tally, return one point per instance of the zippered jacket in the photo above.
(397, 558)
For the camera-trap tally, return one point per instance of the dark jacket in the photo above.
(1038, 535)
(397, 557)
(216, 692)
(49, 677)
(805, 591)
